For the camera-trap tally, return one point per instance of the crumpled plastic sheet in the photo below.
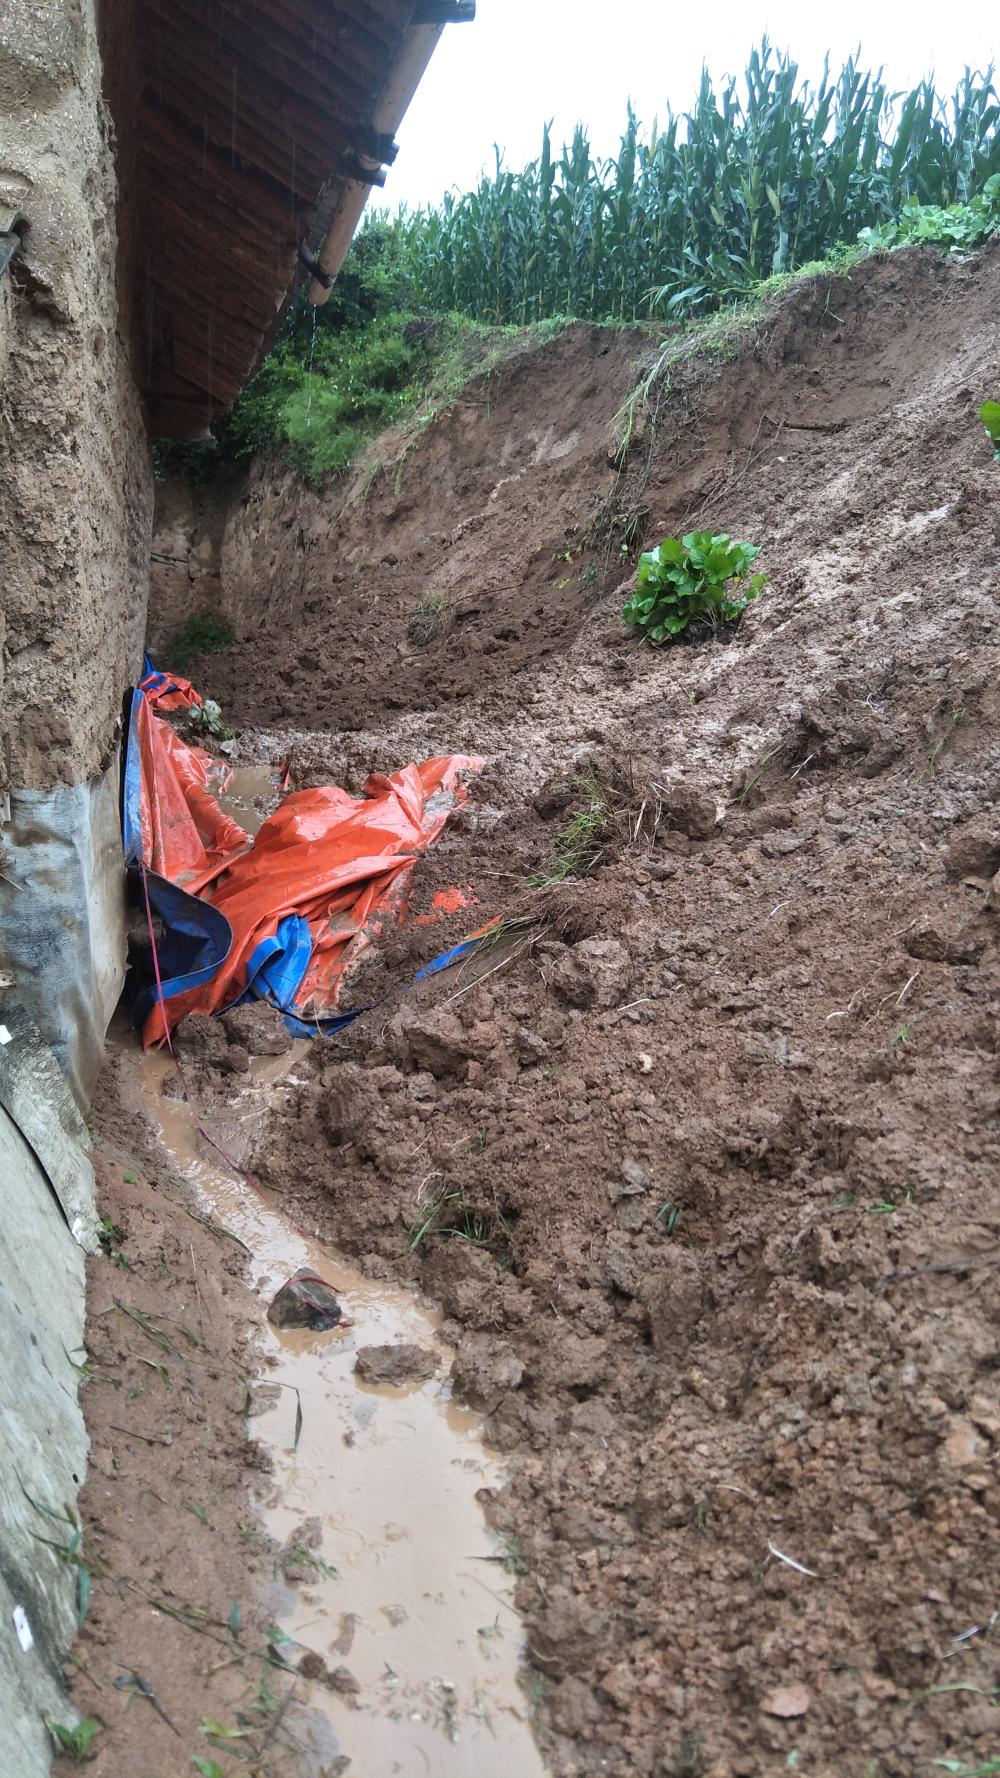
(283, 917)
(168, 691)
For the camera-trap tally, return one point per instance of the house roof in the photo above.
(258, 125)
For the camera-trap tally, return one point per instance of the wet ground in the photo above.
(711, 1151)
(402, 1583)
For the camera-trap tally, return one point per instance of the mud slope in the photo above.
(720, 1131)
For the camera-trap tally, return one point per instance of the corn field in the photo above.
(764, 176)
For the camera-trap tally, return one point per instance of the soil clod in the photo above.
(395, 1365)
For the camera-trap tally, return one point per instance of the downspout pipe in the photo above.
(417, 47)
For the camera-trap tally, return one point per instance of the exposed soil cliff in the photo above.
(712, 1146)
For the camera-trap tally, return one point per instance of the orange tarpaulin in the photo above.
(168, 691)
(185, 835)
(340, 864)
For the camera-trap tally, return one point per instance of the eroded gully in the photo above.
(409, 1594)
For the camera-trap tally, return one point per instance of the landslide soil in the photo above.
(709, 1150)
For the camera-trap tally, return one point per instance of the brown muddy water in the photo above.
(410, 1597)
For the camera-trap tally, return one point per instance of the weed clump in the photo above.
(200, 635)
(692, 586)
(956, 226)
(430, 618)
(580, 842)
(452, 1218)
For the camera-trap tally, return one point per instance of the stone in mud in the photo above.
(786, 1701)
(296, 1559)
(593, 973)
(674, 1299)
(395, 1365)
(258, 1028)
(782, 845)
(692, 811)
(555, 795)
(339, 1679)
(974, 853)
(464, 1280)
(620, 1267)
(202, 1045)
(200, 1040)
(632, 1181)
(313, 1666)
(305, 1301)
(933, 941)
(342, 1680)
(568, 1633)
(436, 1041)
(531, 1048)
(484, 1372)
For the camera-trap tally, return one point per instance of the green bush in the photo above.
(989, 413)
(956, 226)
(322, 402)
(692, 585)
(359, 382)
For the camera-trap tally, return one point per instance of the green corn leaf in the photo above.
(989, 413)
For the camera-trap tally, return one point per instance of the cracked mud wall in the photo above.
(75, 481)
(76, 494)
(75, 499)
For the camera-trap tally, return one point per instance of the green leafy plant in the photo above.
(957, 226)
(692, 584)
(75, 1742)
(669, 1215)
(206, 718)
(989, 413)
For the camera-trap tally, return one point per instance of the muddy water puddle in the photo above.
(407, 1594)
(252, 794)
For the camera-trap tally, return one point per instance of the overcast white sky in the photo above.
(525, 61)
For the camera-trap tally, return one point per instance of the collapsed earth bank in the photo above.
(701, 1161)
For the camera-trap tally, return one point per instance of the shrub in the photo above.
(200, 635)
(955, 226)
(325, 400)
(989, 413)
(692, 585)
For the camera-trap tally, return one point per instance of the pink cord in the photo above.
(235, 1165)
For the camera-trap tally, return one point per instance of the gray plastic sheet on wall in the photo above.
(49, 1218)
(62, 917)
